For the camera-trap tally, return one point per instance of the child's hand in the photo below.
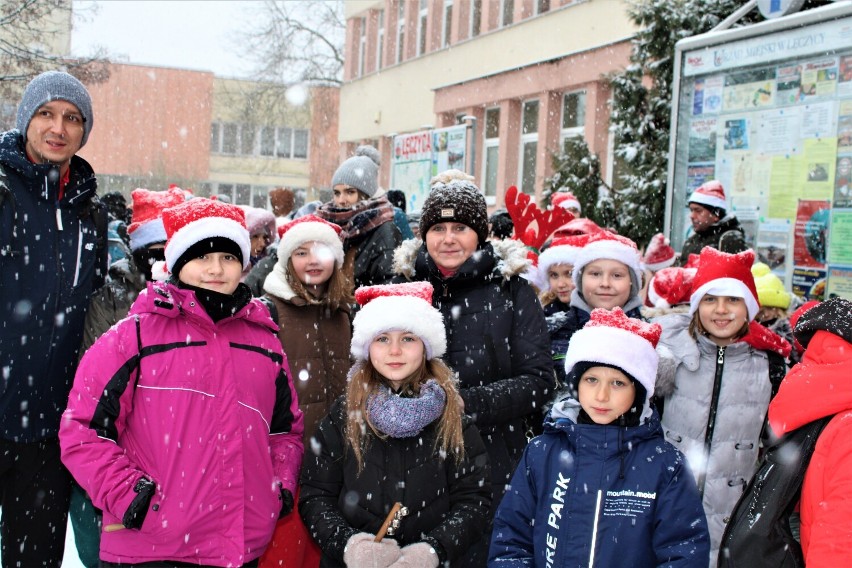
(362, 550)
(138, 509)
(419, 555)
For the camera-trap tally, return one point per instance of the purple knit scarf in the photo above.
(400, 417)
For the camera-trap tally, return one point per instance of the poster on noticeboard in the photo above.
(810, 233)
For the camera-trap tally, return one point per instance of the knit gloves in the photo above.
(363, 552)
(419, 555)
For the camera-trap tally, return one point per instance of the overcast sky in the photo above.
(185, 34)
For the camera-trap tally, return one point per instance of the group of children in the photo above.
(189, 420)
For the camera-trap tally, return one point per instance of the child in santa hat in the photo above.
(553, 277)
(108, 306)
(182, 424)
(311, 298)
(602, 472)
(722, 369)
(399, 435)
(606, 273)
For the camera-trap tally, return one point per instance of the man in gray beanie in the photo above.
(53, 236)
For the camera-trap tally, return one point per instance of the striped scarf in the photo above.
(359, 219)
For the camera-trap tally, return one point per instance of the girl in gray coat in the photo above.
(716, 382)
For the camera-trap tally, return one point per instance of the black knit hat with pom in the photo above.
(455, 198)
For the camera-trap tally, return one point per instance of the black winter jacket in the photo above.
(497, 342)
(447, 502)
(374, 256)
(51, 260)
(726, 235)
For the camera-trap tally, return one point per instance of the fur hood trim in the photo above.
(510, 256)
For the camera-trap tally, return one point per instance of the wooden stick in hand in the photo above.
(388, 520)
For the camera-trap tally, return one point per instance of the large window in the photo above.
(249, 140)
(542, 6)
(529, 146)
(422, 22)
(448, 23)
(491, 147)
(380, 43)
(400, 31)
(230, 138)
(362, 45)
(573, 116)
(475, 17)
(507, 12)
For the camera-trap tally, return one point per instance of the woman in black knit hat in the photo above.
(497, 339)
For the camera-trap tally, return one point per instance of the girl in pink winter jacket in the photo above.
(183, 425)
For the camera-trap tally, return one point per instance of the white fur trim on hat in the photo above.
(307, 232)
(730, 287)
(148, 233)
(205, 228)
(398, 313)
(617, 347)
(609, 250)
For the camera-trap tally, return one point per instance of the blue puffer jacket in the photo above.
(51, 261)
(590, 495)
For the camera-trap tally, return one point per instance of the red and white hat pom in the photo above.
(607, 245)
(563, 250)
(612, 338)
(306, 229)
(397, 307)
(710, 193)
(670, 286)
(723, 274)
(146, 225)
(659, 254)
(199, 219)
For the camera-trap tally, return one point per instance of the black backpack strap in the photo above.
(777, 371)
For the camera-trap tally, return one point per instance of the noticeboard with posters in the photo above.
(767, 110)
(420, 155)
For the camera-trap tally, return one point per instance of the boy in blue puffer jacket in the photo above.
(602, 473)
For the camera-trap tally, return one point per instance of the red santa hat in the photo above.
(611, 338)
(146, 225)
(670, 286)
(723, 274)
(306, 229)
(566, 200)
(563, 250)
(581, 226)
(200, 218)
(711, 194)
(397, 307)
(659, 254)
(607, 245)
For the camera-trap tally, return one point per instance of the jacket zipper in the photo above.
(595, 529)
(79, 252)
(711, 419)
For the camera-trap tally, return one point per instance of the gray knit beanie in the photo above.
(361, 171)
(55, 86)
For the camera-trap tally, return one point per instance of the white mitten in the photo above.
(363, 552)
(419, 555)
